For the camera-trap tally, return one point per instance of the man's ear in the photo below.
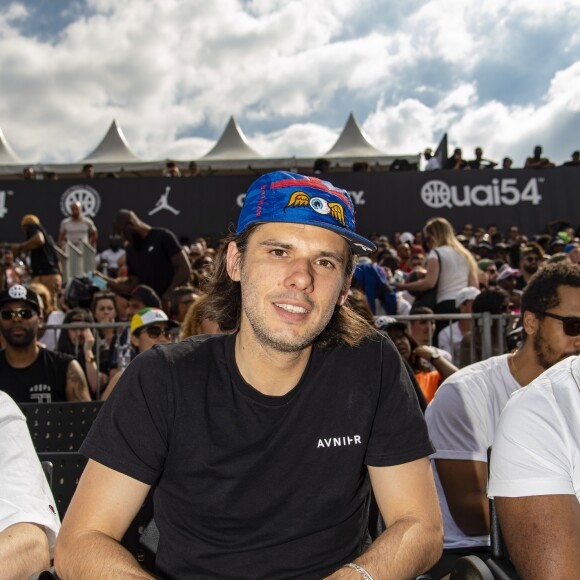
(134, 341)
(344, 294)
(233, 259)
(530, 323)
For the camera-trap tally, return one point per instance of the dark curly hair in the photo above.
(541, 293)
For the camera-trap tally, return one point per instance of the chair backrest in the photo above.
(59, 426)
(66, 473)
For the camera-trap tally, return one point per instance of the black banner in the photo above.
(385, 202)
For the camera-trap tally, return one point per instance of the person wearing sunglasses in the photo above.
(149, 326)
(531, 260)
(464, 413)
(28, 372)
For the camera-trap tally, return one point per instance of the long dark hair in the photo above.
(225, 299)
(65, 344)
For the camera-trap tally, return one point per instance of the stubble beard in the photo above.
(546, 355)
(286, 343)
(23, 341)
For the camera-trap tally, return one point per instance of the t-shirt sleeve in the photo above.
(398, 434)
(170, 244)
(531, 449)
(457, 427)
(131, 433)
(25, 495)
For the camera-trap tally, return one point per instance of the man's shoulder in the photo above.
(192, 348)
(8, 408)
(46, 355)
(480, 380)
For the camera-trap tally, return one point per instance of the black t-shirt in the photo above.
(44, 259)
(44, 381)
(250, 485)
(151, 262)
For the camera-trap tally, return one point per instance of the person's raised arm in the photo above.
(181, 272)
(542, 534)
(426, 283)
(76, 383)
(104, 504)
(23, 551)
(413, 540)
(464, 483)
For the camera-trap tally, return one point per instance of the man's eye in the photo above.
(278, 252)
(326, 263)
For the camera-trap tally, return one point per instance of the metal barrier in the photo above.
(77, 260)
(484, 325)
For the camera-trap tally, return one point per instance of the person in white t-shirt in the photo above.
(464, 413)
(29, 521)
(535, 472)
(450, 267)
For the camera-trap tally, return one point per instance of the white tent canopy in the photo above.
(7, 155)
(232, 145)
(231, 153)
(113, 148)
(353, 142)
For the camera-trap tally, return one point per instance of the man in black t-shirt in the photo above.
(154, 257)
(44, 263)
(29, 373)
(263, 445)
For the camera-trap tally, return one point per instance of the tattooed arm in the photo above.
(76, 383)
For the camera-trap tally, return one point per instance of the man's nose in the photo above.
(301, 275)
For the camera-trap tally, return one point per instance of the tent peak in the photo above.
(353, 142)
(113, 147)
(232, 144)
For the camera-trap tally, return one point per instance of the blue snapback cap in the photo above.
(287, 197)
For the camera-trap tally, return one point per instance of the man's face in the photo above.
(183, 305)
(550, 343)
(146, 338)
(19, 331)
(422, 331)
(133, 306)
(531, 263)
(292, 277)
(75, 210)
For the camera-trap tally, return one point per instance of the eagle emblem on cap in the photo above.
(318, 204)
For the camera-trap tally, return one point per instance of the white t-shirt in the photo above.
(77, 231)
(24, 492)
(50, 336)
(450, 340)
(536, 450)
(454, 272)
(462, 420)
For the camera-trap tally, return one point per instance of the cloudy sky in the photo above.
(503, 74)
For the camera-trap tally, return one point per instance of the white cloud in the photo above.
(172, 73)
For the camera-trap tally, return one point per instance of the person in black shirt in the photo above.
(29, 373)
(44, 264)
(263, 444)
(154, 257)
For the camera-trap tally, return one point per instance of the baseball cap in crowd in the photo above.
(144, 293)
(506, 271)
(571, 246)
(19, 292)
(287, 197)
(386, 322)
(484, 264)
(407, 238)
(465, 294)
(148, 317)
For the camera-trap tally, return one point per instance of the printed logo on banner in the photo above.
(358, 198)
(88, 197)
(437, 194)
(3, 208)
(163, 203)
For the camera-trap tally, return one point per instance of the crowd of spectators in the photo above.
(153, 289)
